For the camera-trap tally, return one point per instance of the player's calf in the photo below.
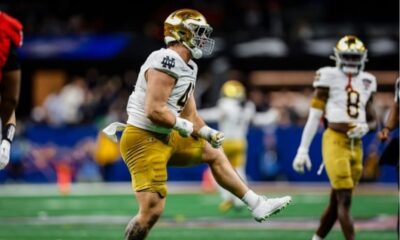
(140, 225)
(135, 231)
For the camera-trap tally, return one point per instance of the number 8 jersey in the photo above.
(167, 61)
(345, 104)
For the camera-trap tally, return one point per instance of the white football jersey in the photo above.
(345, 106)
(168, 61)
(235, 118)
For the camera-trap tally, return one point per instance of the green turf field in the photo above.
(187, 216)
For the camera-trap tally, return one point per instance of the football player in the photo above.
(345, 94)
(234, 115)
(390, 155)
(10, 80)
(164, 128)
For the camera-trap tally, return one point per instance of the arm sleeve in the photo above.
(12, 62)
(310, 128)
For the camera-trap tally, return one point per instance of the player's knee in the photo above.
(344, 198)
(212, 155)
(150, 217)
(154, 216)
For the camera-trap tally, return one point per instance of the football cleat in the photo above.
(267, 207)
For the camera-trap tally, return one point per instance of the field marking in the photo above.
(124, 188)
(378, 223)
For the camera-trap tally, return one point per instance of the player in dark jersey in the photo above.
(10, 81)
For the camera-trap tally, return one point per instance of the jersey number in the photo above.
(182, 100)
(353, 99)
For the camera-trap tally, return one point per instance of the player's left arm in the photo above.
(392, 122)
(214, 137)
(190, 113)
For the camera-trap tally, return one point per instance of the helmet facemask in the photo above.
(190, 28)
(201, 38)
(350, 62)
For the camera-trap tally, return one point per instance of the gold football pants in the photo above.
(342, 158)
(147, 155)
(235, 150)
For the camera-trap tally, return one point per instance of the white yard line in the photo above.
(379, 223)
(124, 188)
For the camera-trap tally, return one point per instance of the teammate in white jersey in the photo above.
(234, 114)
(345, 94)
(164, 127)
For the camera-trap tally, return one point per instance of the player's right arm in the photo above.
(392, 121)
(10, 83)
(159, 88)
(321, 95)
(10, 89)
(10, 95)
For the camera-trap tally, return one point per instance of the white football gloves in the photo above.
(183, 126)
(302, 159)
(4, 153)
(358, 130)
(214, 137)
(111, 130)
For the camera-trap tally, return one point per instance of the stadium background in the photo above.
(79, 63)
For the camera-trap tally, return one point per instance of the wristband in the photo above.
(205, 131)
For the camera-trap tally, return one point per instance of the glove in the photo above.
(183, 126)
(302, 159)
(111, 130)
(214, 137)
(4, 153)
(358, 130)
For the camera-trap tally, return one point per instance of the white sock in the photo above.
(251, 199)
(316, 237)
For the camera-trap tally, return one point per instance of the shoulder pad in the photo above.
(324, 77)
(169, 62)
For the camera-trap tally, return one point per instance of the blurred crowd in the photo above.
(93, 98)
(98, 98)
